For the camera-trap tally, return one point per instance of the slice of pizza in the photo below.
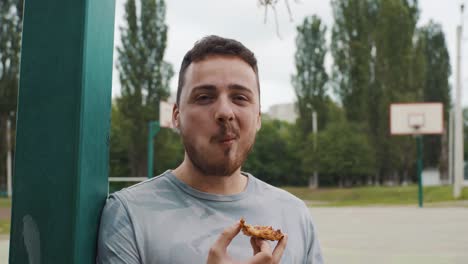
(265, 232)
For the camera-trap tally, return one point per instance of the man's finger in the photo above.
(255, 247)
(279, 249)
(263, 245)
(264, 255)
(226, 237)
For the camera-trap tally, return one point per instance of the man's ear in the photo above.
(176, 117)
(259, 120)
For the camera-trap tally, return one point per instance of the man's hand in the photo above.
(261, 249)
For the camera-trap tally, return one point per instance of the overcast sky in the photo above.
(243, 20)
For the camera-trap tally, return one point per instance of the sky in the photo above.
(244, 20)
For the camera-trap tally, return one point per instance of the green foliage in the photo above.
(10, 42)
(310, 79)
(380, 57)
(435, 84)
(342, 151)
(11, 12)
(119, 142)
(144, 77)
(168, 150)
(273, 158)
(352, 48)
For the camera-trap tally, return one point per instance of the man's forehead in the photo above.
(230, 71)
(220, 60)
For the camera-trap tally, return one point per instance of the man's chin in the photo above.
(221, 168)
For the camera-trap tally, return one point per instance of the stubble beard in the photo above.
(226, 167)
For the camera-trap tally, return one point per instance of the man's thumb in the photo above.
(228, 235)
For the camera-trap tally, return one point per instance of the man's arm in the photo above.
(116, 242)
(314, 255)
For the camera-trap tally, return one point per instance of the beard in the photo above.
(210, 163)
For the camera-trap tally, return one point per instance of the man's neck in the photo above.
(225, 185)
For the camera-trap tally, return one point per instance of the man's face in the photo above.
(218, 114)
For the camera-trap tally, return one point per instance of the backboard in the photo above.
(416, 118)
(165, 114)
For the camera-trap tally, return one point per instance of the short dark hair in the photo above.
(215, 45)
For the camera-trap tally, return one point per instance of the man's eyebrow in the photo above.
(203, 88)
(240, 88)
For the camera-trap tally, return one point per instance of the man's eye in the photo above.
(241, 98)
(204, 97)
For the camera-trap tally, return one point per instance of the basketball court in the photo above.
(384, 235)
(393, 235)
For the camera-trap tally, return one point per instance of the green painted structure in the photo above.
(153, 129)
(64, 104)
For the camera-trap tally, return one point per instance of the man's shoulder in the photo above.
(141, 190)
(277, 195)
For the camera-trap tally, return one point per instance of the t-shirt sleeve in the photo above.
(116, 242)
(314, 255)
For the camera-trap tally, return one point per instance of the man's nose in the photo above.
(224, 111)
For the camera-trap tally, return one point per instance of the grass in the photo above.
(4, 226)
(5, 203)
(367, 196)
(5, 223)
(361, 196)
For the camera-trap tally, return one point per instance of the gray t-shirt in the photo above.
(163, 220)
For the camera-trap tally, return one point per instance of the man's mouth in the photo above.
(224, 139)
(227, 140)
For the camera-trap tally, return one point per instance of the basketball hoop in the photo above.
(416, 118)
(416, 121)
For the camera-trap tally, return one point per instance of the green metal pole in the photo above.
(60, 180)
(153, 129)
(420, 165)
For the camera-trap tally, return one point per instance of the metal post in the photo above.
(8, 162)
(153, 129)
(458, 144)
(314, 130)
(420, 166)
(450, 147)
(61, 162)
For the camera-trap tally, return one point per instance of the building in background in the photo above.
(284, 112)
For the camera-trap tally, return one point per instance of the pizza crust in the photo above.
(265, 232)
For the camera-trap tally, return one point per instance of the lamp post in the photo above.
(313, 182)
(458, 133)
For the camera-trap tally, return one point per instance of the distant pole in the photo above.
(450, 147)
(313, 180)
(420, 166)
(314, 130)
(8, 162)
(153, 129)
(458, 144)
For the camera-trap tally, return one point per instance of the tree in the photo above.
(352, 49)
(374, 58)
(144, 75)
(344, 154)
(310, 79)
(11, 12)
(264, 161)
(435, 87)
(394, 56)
(119, 142)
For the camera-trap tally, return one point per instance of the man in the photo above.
(181, 215)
